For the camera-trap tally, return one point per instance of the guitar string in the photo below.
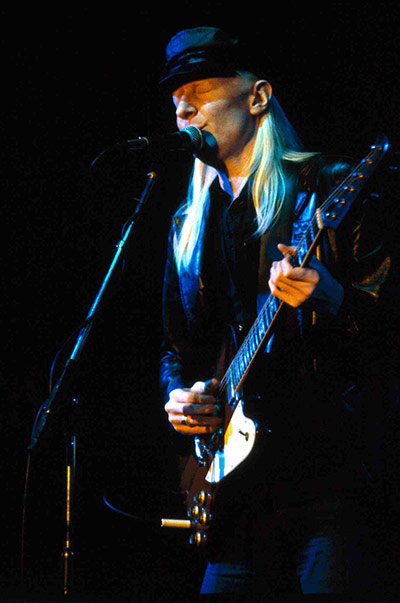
(352, 176)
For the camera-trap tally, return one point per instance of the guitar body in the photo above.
(238, 441)
(222, 467)
(215, 483)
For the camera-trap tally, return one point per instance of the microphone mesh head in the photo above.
(196, 137)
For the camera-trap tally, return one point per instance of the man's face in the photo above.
(219, 106)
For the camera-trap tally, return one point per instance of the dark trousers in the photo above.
(337, 547)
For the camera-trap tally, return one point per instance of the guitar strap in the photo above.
(280, 232)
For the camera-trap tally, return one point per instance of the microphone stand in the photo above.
(58, 390)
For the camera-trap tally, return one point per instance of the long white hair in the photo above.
(276, 142)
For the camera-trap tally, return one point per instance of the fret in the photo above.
(303, 247)
(311, 233)
(241, 367)
(236, 373)
(247, 353)
(230, 385)
(270, 310)
(254, 343)
(251, 342)
(244, 354)
(261, 322)
(258, 334)
(249, 348)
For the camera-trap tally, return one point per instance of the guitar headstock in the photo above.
(336, 206)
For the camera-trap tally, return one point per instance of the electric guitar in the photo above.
(218, 455)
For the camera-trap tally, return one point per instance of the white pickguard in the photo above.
(239, 440)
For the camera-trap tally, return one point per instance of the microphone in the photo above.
(200, 142)
(188, 139)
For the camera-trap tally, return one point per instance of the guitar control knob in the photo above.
(204, 517)
(201, 497)
(194, 512)
(198, 538)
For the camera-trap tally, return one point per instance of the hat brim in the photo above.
(175, 80)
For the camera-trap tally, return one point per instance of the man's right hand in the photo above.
(193, 411)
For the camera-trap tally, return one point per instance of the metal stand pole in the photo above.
(60, 390)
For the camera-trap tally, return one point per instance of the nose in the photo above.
(185, 110)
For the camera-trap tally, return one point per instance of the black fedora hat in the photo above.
(204, 52)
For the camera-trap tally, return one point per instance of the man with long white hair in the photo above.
(293, 521)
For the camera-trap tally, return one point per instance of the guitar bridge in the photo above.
(205, 451)
(201, 452)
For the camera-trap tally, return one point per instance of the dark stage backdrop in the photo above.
(75, 81)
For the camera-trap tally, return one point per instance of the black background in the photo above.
(74, 82)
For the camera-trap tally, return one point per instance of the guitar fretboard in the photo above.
(257, 334)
